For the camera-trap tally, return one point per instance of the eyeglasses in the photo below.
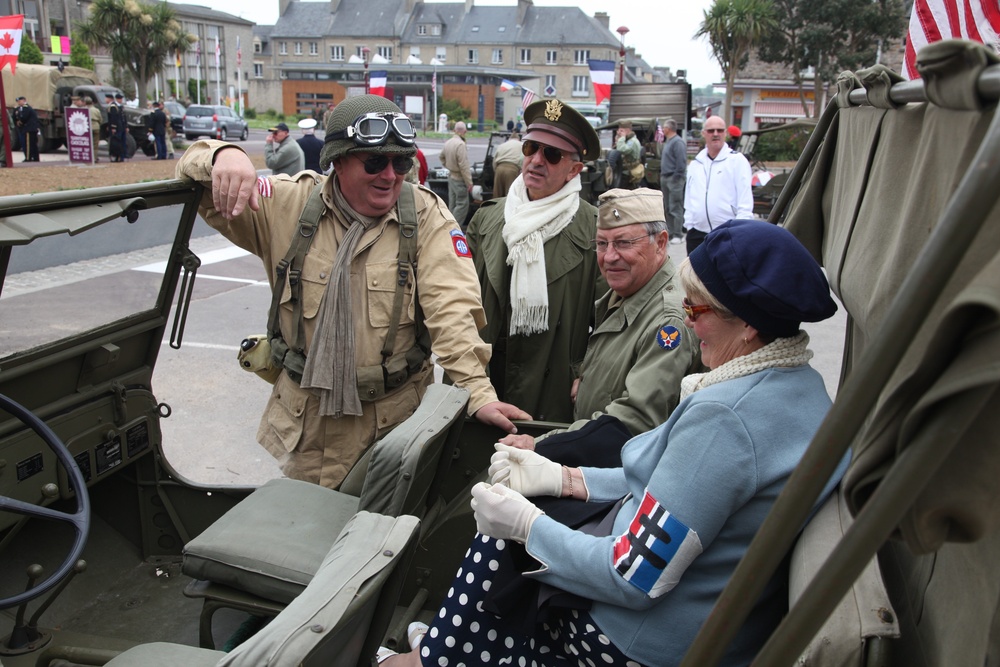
(718, 131)
(376, 164)
(694, 311)
(373, 129)
(620, 245)
(551, 154)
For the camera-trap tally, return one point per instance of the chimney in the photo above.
(522, 10)
(283, 6)
(334, 5)
(603, 19)
(468, 5)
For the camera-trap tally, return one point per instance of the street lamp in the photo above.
(622, 30)
(364, 54)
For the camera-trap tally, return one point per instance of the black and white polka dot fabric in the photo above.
(463, 634)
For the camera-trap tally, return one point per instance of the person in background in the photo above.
(122, 126)
(539, 276)
(96, 120)
(673, 168)
(455, 158)
(507, 161)
(636, 586)
(418, 173)
(281, 154)
(625, 156)
(158, 123)
(310, 144)
(733, 134)
(26, 122)
(718, 186)
(334, 396)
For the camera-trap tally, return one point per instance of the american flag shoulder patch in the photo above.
(656, 550)
(264, 186)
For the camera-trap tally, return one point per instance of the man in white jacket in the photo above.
(718, 185)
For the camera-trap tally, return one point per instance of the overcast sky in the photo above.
(662, 37)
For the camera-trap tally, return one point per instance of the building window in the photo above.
(581, 86)
(283, 48)
(258, 70)
(313, 48)
(298, 48)
(415, 51)
(359, 51)
(385, 52)
(441, 53)
(436, 29)
(257, 48)
(525, 56)
(551, 57)
(473, 56)
(337, 53)
(422, 29)
(497, 57)
(581, 56)
(550, 81)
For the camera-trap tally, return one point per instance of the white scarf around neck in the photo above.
(527, 226)
(782, 352)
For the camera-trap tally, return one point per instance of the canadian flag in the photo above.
(10, 40)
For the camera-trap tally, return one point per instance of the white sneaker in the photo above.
(383, 654)
(676, 240)
(414, 633)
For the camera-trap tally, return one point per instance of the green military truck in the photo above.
(49, 91)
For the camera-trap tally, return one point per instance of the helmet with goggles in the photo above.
(367, 124)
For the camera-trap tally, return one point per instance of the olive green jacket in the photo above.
(536, 372)
(637, 355)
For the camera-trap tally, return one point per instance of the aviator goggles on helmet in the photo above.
(373, 129)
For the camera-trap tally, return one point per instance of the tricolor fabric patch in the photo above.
(668, 337)
(461, 246)
(264, 186)
(656, 550)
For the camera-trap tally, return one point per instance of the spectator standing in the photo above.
(507, 161)
(673, 168)
(26, 121)
(310, 144)
(281, 154)
(624, 157)
(122, 129)
(718, 186)
(455, 158)
(158, 126)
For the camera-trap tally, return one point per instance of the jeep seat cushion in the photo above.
(267, 545)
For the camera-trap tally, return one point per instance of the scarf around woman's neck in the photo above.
(330, 365)
(781, 353)
(527, 226)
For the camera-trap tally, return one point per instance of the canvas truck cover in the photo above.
(38, 83)
(651, 100)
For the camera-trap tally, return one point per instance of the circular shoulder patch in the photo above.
(668, 337)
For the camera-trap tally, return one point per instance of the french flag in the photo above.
(376, 83)
(506, 85)
(602, 74)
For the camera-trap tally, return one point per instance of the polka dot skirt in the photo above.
(463, 634)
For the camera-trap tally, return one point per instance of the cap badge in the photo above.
(614, 212)
(553, 110)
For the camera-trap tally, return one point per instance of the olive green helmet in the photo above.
(344, 115)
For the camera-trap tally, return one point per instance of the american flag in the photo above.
(659, 137)
(933, 20)
(528, 98)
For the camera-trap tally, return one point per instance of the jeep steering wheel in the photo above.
(80, 519)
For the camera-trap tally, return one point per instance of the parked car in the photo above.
(214, 121)
(176, 110)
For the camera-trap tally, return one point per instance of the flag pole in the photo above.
(218, 78)
(8, 156)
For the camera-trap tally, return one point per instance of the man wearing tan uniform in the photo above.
(331, 402)
(455, 157)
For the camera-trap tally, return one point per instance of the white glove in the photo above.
(503, 513)
(525, 471)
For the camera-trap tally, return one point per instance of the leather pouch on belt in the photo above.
(371, 383)
(255, 356)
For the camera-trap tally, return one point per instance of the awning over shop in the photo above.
(766, 111)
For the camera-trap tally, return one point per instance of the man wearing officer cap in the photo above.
(26, 120)
(310, 144)
(322, 415)
(640, 349)
(539, 235)
(281, 153)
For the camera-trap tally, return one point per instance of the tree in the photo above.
(79, 54)
(138, 36)
(733, 28)
(830, 37)
(30, 54)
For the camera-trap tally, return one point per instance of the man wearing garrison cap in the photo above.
(334, 306)
(538, 274)
(640, 349)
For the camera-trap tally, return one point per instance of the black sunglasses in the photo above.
(551, 154)
(376, 164)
